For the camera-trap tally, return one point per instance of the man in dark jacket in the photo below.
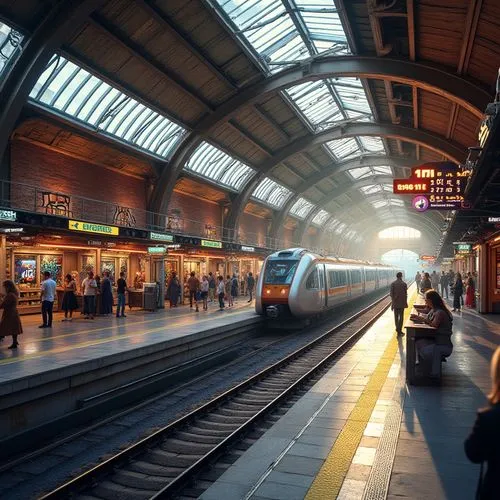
(443, 281)
(399, 298)
(250, 286)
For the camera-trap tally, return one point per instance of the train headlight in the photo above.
(268, 291)
(283, 291)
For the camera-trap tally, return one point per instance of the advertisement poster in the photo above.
(25, 270)
(52, 264)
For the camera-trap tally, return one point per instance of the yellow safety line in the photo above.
(328, 482)
(8, 361)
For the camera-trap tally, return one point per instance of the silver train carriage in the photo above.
(299, 283)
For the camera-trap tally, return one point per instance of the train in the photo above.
(298, 283)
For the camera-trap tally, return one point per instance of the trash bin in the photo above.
(150, 296)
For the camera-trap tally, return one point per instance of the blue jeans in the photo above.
(121, 305)
(47, 306)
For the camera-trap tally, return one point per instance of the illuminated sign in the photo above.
(420, 203)
(161, 237)
(89, 227)
(8, 215)
(247, 249)
(408, 186)
(463, 248)
(174, 246)
(157, 250)
(211, 244)
(495, 220)
(484, 132)
(12, 230)
(427, 257)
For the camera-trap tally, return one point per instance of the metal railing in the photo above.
(29, 198)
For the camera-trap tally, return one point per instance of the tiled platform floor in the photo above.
(356, 435)
(68, 343)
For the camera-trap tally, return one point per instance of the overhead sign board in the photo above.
(247, 249)
(439, 186)
(157, 250)
(9, 215)
(495, 220)
(428, 257)
(211, 243)
(12, 230)
(463, 248)
(161, 237)
(89, 227)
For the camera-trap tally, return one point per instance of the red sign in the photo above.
(410, 186)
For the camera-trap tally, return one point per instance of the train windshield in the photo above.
(280, 272)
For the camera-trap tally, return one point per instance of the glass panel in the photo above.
(10, 46)
(280, 272)
(340, 227)
(374, 188)
(320, 217)
(271, 192)
(74, 91)
(344, 148)
(364, 172)
(214, 164)
(301, 208)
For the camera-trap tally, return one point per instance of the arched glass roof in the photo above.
(389, 202)
(271, 193)
(72, 90)
(347, 147)
(376, 188)
(283, 32)
(214, 164)
(301, 208)
(364, 172)
(10, 45)
(399, 233)
(321, 217)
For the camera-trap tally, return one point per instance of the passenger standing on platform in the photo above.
(470, 292)
(234, 287)
(121, 289)
(106, 295)
(211, 286)
(418, 280)
(228, 288)
(458, 290)
(483, 444)
(435, 280)
(173, 289)
(426, 283)
(69, 303)
(443, 281)
(221, 291)
(204, 287)
(399, 301)
(10, 324)
(194, 286)
(47, 295)
(250, 285)
(431, 350)
(89, 290)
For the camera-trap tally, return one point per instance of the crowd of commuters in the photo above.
(209, 289)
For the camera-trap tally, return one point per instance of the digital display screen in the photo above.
(407, 186)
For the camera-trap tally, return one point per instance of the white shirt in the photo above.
(89, 286)
(221, 288)
(204, 286)
(48, 290)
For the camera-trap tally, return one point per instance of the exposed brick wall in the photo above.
(253, 229)
(196, 213)
(54, 172)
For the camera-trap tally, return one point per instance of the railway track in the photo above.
(162, 464)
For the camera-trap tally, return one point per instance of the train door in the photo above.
(323, 285)
(348, 282)
(363, 280)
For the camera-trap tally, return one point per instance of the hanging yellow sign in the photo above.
(90, 227)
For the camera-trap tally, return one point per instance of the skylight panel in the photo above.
(10, 45)
(271, 193)
(321, 217)
(365, 172)
(212, 163)
(372, 144)
(352, 94)
(340, 227)
(372, 189)
(396, 203)
(70, 89)
(343, 148)
(301, 208)
(379, 203)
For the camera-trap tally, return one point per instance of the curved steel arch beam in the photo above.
(62, 22)
(434, 142)
(324, 173)
(426, 77)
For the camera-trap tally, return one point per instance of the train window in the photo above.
(280, 272)
(337, 278)
(370, 275)
(355, 277)
(313, 280)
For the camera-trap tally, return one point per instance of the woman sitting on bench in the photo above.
(432, 350)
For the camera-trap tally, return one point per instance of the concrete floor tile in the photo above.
(351, 489)
(280, 491)
(299, 465)
(373, 429)
(293, 479)
(221, 489)
(364, 456)
(359, 472)
(309, 450)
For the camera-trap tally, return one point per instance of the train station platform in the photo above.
(76, 364)
(362, 433)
